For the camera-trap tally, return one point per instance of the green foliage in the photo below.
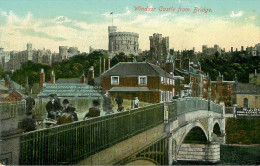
(238, 64)
(121, 57)
(32, 70)
(71, 68)
(243, 131)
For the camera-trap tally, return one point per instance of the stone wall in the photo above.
(124, 149)
(200, 152)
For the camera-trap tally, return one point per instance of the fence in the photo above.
(128, 104)
(183, 106)
(70, 143)
(12, 110)
(190, 104)
(216, 108)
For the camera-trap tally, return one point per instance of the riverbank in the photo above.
(244, 131)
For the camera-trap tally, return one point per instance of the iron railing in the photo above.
(12, 110)
(216, 108)
(70, 143)
(190, 104)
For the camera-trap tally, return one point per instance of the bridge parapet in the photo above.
(186, 105)
(70, 143)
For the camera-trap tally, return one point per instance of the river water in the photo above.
(233, 155)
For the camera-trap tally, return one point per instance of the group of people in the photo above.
(58, 113)
(62, 114)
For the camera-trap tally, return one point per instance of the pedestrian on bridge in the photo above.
(69, 109)
(119, 100)
(107, 105)
(93, 111)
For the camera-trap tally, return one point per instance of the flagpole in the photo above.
(112, 18)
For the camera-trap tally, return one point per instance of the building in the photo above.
(248, 95)
(252, 51)
(10, 91)
(79, 95)
(76, 90)
(99, 50)
(223, 91)
(144, 80)
(14, 60)
(210, 51)
(126, 42)
(254, 78)
(159, 49)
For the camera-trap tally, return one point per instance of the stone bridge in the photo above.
(161, 134)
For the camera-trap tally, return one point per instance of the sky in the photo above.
(83, 23)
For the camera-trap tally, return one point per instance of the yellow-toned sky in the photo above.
(49, 24)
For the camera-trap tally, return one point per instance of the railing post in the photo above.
(166, 112)
(234, 110)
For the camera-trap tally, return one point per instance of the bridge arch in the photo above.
(189, 127)
(216, 128)
(142, 161)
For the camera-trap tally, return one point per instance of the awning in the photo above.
(129, 89)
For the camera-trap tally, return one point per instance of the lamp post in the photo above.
(209, 92)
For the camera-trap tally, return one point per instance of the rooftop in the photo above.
(245, 88)
(136, 69)
(71, 90)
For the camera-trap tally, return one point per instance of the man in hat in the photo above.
(69, 109)
(119, 100)
(30, 103)
(50, 108)
(28, 124)
(93, 111)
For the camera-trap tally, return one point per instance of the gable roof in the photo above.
(136, 69)
(71, 90)
(246, 88)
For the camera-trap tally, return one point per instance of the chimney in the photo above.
(100, 70)
(52, 81)
(82, 78)
(178, 63)
(104, 61)
(7, 81)
(108, 63)
(42, 79)
(27, 86)
(168, 66)
(219, 78)
(91, 75)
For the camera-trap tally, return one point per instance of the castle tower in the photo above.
(29, 51)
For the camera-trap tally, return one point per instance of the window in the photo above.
(245, 103)
(161, 80)
(114, 80)
(142, 80)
